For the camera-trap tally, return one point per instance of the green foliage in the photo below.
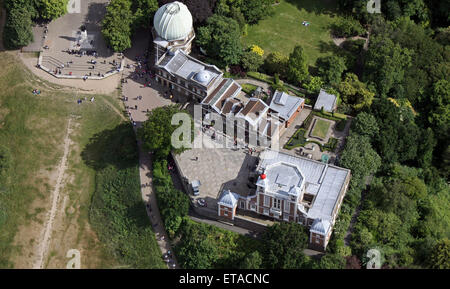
(330, 68)
(332, 261)
(255, 10)
(252, 261)
(251, 61)
(17, 31)
(385, 64)
(156, 132)
(283, 245)
(439, 116)
(365, 124)
(398, 138)
(313, 85)
(220, 37)
(116, 25)
(276, 62)
(347, 27)
(355, 92)
(440, 256)
(173, 204)
(143, 11)
(5, 161)
(204, 246)
(52, 9)
(297, 66)
(117, 212)
(359, 157)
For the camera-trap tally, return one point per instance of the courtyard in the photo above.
(60, 38)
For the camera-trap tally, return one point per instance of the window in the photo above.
(266, 211)
(266, 201)
(242, 205)
(286, 206)
(277, 204)
(253, 207)
(286, 218)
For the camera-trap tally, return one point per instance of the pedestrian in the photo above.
(135, 107)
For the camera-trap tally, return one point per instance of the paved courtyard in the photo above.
(217, 170)
(62, 35)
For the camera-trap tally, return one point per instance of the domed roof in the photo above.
(202, 76)
(173, 21)
(320, 226)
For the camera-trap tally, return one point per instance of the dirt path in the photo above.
(43, 246)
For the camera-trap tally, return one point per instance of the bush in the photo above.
(17, 31)
(347, 27)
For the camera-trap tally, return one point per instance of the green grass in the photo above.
(284, 30)
(32, 129)
(248, 88)
(321, 128)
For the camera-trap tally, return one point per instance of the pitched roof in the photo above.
(325, 100)
(285, 104)
(228, 199)
(253, 111)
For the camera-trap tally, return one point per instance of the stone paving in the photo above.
(62, 35)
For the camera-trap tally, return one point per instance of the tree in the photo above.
(255, 10)
(221, 39)
(440, 256)
(385, 64)
(313, 85)
(201, 10)
(116, 25)
(283, 246)
(359, 157)
(5, 161)
(156, 132)
(355, 92)
(439, 117)
(52, 9)
(347, 27)
(251, 61)
(297, 65)
(330, 68)
(276, 62)
(143, 13)
(332, 261)
(353, 262)
(17, 31)
(251, 261)
(365, 124)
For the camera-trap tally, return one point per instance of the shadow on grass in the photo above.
(315, 6)
(116, 147)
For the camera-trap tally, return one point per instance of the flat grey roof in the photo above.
(323, 180)
(285, 104)
(325, 100)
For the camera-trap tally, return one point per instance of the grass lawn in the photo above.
(32, 129)
(284, 30)
(321, 128)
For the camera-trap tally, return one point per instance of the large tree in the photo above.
(221, 39)
(51, 9)
(156, 132)
(283, 246)
(330, 68)
(116, 26)
(365, 124)
(276, 62)
(355, 93)
(143, 11)
(17, 31)
(297, 65)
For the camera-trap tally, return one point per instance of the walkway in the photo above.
(151, 98)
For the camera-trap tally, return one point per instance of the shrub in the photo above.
(347, 27)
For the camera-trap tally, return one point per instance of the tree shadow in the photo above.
(315, 6)
(116, 147)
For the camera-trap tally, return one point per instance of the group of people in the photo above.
(36, 91)
(80, 101)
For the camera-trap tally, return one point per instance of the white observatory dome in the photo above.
(173, 21)
(202, 76)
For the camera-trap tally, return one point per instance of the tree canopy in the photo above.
(297, 65)
(221, 39)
